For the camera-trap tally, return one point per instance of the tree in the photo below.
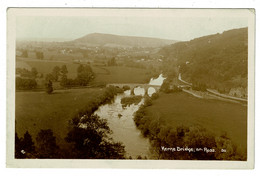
(34, 72)
(64, 70)
(18, 147)
(89, 136)
(27, 143)
(165, 87)
(56, 73)
(84, 74)
(49, 77)
(46, 144)
(64, 79)
(49, 88)
(39, 54)
(24, 147)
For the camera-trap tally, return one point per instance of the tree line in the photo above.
(84, 76)
(26, 79)
(162, 135)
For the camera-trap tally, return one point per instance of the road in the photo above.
(213, 92)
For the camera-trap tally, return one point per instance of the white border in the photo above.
(11, 162)
(4, 4)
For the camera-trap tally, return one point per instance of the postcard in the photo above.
(130, 88)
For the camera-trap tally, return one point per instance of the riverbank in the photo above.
(127, 101)
(181, 109)
(38, 110)
(120, 121)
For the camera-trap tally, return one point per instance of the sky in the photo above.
(182, 25)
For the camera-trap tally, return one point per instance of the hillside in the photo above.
(216, 61)
(98, 39)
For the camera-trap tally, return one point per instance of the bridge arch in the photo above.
(133, 86)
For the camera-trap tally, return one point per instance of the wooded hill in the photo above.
(216, 61)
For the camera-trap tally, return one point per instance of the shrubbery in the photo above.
(25, 83)
(127, 101)
(168, 87)
(25, 79)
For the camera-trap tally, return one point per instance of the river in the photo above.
(120, 121)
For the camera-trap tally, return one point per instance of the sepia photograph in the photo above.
(115, 84)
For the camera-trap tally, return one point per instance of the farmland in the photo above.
(216, 116)
(38, 110)
(105, 74)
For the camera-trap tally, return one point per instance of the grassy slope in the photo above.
(38, 110)
(216, 116)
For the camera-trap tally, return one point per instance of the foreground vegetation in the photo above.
(55, 110)
(73, 125)
(180, 120)
(88, 138)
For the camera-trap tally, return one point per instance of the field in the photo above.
(38, 110)
(55, 55)
(120, 74)
(46, 67)
(111, 74)
(216, 116)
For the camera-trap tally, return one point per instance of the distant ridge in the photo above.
(110, 40)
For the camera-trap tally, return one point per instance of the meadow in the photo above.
(46, 66)
(104, 74)
(38, 110)
(216, 116)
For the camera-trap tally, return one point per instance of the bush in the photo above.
(24, 147)
(46, 144)
(25, 84)
(155, 96)
(148, 101)
(49, 88)
(127, 101)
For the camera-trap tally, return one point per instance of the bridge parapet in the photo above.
(132, 86)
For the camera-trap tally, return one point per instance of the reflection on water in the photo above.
(139, 91)
(127, 92)
(158, 81)
(120, 121)
(151, 90)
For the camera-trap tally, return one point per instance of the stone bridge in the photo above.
(132, 86)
